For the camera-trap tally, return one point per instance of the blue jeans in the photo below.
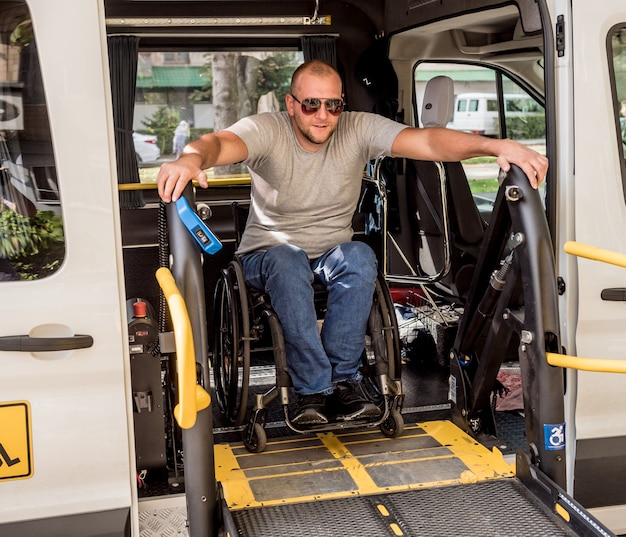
(318, 361)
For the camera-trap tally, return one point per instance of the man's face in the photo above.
(313, 130)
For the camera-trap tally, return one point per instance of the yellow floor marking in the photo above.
(382, 509)
(485, 464)
(227, 471)
(562, 512)
(353, 439)
(356, 470)
(482, 464)
(259, 456)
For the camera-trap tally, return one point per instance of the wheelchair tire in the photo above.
(254, 438)
(230, 360)
(390, 327)
(393, 426)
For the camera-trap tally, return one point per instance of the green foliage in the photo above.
(480, 160)
(478, 186)
(22, 35)
(527, 127)
(15, 234)
(275, 75)
(206, 92)
(41, 264)
(197, 132)
(163, 123)
(23, 236)
(35, 246)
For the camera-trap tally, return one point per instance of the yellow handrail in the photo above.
(191, 396)
(221, 180)
(600, 365)
(597, 254)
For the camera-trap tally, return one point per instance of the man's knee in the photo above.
(359, 251)
(285, 256)
(360, 258)
(288, 264)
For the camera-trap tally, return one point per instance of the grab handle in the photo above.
(598, 365)
(602, 365)
(191, 396)
(593, 252)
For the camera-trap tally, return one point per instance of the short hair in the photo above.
(314, 67)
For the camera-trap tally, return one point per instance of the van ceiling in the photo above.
(380, 17)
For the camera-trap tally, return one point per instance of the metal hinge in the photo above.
(560, 36)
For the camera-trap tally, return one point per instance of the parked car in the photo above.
(146, 148)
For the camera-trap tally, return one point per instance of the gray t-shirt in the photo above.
(307, 198)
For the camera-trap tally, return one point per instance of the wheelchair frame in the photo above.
(244, 318)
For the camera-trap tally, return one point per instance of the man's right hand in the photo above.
(212, 149)
(174, 176)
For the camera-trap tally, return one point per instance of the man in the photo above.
(306, 166)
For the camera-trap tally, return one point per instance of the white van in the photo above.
(479, 113)
(90, 445)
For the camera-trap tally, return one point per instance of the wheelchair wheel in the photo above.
(383, 341)
(383, 360)
(393, 426)
(389, 326)
(231, 347)
(254, 437)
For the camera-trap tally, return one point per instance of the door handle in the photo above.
(25, 343)
(614, 294)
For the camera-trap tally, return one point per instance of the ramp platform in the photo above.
(433, 480)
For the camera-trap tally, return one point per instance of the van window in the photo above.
(492, 105)
(32, 243)
(477, 110)
(617, 48)
(175, 103)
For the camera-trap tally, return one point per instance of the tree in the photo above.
(274, 74)
(236, 81)
(225, 97)
(163, 123)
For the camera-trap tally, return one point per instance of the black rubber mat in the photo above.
(501, 508)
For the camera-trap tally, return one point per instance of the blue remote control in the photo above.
(198, 229)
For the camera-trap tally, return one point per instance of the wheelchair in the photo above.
(247, 332)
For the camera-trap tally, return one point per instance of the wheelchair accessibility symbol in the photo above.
(554, 436)
(16, 448)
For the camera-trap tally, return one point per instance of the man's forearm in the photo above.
(203, 150)
(446, 145)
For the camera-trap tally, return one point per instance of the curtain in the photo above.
(320, 47)
(123, 54)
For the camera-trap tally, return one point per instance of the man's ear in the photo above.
(289, 103)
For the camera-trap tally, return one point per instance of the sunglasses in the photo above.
(311, 105)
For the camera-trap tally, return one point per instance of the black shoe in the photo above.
(348, 403)
(310, 410)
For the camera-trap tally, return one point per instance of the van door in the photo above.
(65, 456)
(599, 67)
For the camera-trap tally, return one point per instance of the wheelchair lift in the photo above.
(434, 475)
